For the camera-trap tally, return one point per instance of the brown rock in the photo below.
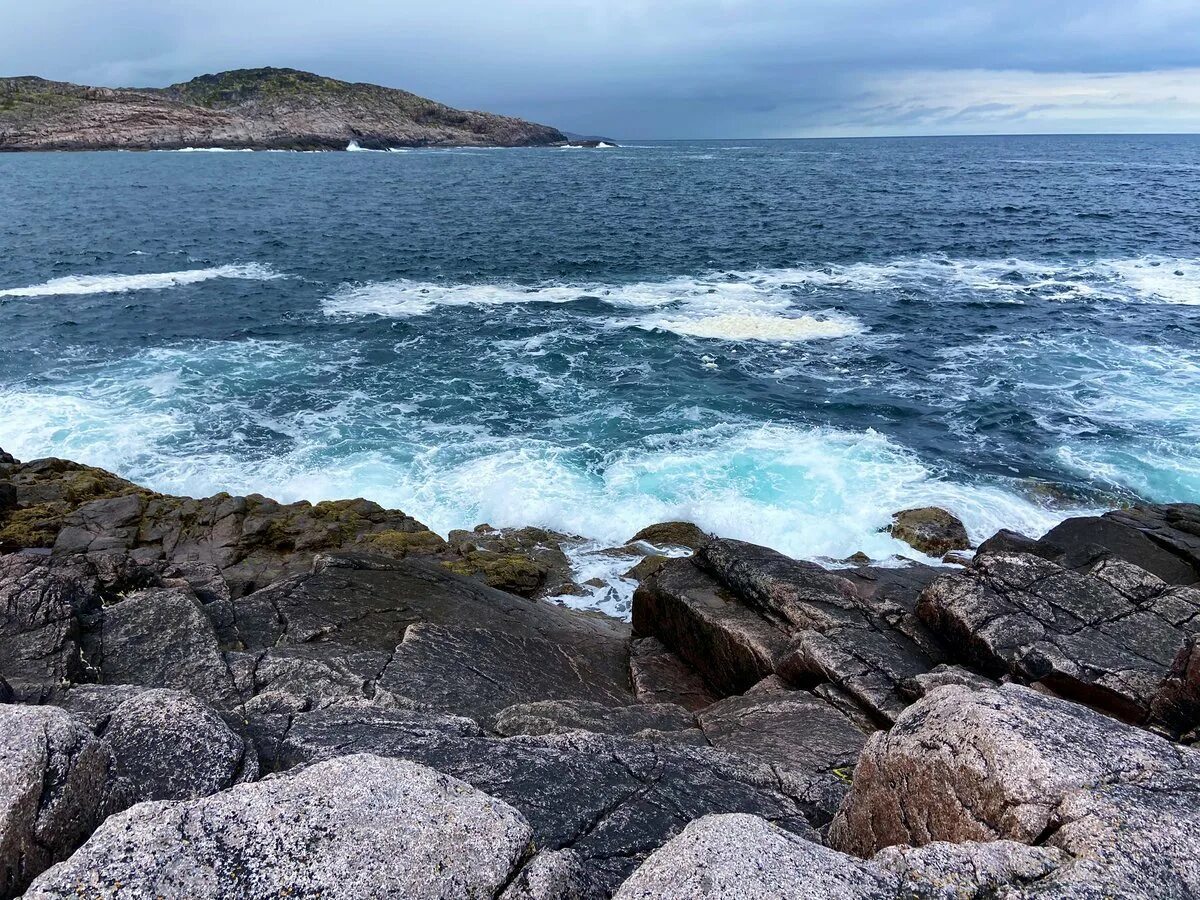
(931, 530)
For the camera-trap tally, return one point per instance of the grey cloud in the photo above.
(646, 68)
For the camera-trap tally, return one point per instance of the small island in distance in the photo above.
(248, 109)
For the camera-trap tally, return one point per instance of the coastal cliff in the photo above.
(259, 109)
(336, 702)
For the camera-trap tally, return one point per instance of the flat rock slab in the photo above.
(562, 716)
(612, 799)
(795, 730)
(1107, 638)
(53, 776)
(353, 827)
(475, 672)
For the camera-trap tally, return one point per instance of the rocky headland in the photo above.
(235, 698)
(257, 109)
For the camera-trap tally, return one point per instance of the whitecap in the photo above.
(758, 327)
(79, 285)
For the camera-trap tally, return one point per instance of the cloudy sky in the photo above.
(672, 68)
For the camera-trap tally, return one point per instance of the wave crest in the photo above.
(80, 285)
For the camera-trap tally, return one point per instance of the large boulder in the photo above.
(352, 827)
(672, 534)
(610, 798)
(1107, 637)
(931, 530)
(969, 764)
(53, 775)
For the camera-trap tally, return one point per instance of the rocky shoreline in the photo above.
(246, 109)
(232, 697)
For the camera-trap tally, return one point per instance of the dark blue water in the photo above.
(783, 340)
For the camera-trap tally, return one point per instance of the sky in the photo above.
(671, 68)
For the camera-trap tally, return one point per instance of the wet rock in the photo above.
(163, 638)
(1164, 540)
(477, 672)
(743, 857)
(791, 729)
(659, 676)
(528, 562)
(612, 799)
(562, 716)
(726, 642)
(348, 828)
(167, 745)
(933, 531)
(52, 779)
(673, 534)
(647, 567)
(1106, 638)
(1006, 541)
(1012, 763)
(1177, 700)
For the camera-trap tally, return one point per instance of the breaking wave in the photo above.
(79, 285)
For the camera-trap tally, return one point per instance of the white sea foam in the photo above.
(732, 308)
(758, 327)
(210, 150)
(78, 285)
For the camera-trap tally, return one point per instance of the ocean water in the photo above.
(784, 341)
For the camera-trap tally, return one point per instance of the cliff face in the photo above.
(248, 108)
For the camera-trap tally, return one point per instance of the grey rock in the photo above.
(167, 745)
(920, 685)
(348, 828)
(971, 870)
(163, 638)
(933, 531)
(561, 716)
(477, 672)
(1164, 540)
(659, 676)
(40, 604)
(791, 729)
(92, 704)
(1177, 699)
(554, 875)
(53, 774)
(1106, 638)
(612, 799)
(743, 857)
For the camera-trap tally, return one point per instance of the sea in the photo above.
(782, 341)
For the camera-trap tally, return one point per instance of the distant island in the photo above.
(255, 109)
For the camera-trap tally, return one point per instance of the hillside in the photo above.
(248, 108)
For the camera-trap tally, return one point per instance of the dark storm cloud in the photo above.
(672, 68)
